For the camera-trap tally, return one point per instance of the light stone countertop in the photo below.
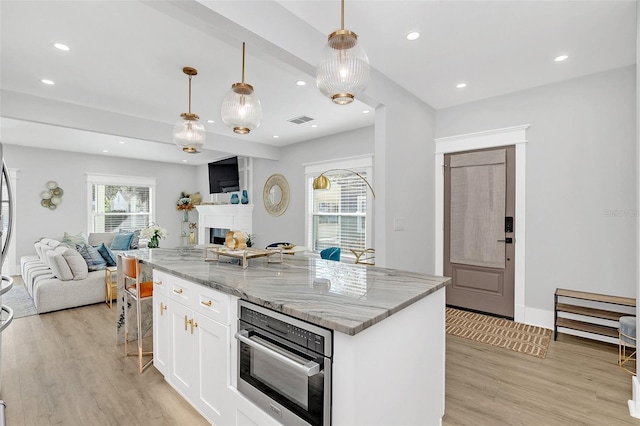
(340, 296)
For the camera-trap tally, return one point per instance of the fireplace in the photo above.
(214, 221)
(217, 235)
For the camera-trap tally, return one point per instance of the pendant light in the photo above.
(188, 133)
(241, 109)
(343, 71)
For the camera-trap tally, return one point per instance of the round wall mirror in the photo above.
(275, 194)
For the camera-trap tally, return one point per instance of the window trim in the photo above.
(362, 163)
(106, 179)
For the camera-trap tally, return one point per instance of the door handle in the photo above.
(501, 241)
(506, 241)
(309, 369)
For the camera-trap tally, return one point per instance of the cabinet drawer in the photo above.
(212, 304)
(161, 282)
(180, 291)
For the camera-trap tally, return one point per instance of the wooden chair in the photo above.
(627, 342)
(138, 291)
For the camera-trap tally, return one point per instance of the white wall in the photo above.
(37, 166)
(581, 185)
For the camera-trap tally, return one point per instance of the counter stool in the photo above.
(627, 339)
(137, 291)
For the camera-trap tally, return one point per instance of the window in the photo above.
(120, 202)
(341, 216)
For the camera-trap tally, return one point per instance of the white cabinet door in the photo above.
(213, 362)
(183, 371)
(160, 332)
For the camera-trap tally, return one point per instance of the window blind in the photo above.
(120, 207)
(338, 216)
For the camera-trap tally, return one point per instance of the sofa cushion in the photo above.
(121, 241)
(97, 238)
(135, 240)
(107, 255)
(59, 265)
(74, 240)
(43, 250)
(76, 263)
(95, 262)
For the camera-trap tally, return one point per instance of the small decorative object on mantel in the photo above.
(185, 204)
(234, 199)
(245, 197)
(52, 197)
(154, 233)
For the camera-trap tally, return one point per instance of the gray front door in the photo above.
(479, 249)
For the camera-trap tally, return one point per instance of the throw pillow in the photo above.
(135, 240)
(76, 263)
(121, 241)
(95, 262)
(59, 265)
(44, 249)
(74, 240)
(107, 255)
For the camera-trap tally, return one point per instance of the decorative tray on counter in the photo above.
(244, 255)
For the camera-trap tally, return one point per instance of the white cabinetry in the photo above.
(160, 324)
(195, 331)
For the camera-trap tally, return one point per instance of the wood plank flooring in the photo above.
(64, 368)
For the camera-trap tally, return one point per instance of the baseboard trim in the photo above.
(634, 403)
(539, 317)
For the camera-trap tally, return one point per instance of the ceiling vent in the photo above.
(300, 120)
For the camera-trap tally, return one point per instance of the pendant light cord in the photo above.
(243, 61)
(190, 94)
(342, 16)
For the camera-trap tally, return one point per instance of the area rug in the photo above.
(19, 300)
(500, 332)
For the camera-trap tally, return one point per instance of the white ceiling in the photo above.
(123, 80)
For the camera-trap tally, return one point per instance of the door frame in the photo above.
(487, 139)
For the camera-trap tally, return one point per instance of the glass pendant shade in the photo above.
(189, 134)
(241, 109)
(343, 70)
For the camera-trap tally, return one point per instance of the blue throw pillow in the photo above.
(121, 241)
(107, 255)
(135, 240)
(95, 262)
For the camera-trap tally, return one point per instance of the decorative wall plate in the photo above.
(275, 194)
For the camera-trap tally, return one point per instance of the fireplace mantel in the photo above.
(238, 217)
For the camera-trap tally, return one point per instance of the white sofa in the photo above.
(51, 293)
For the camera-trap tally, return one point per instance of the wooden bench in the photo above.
(610, 308)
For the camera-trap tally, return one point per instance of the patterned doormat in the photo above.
(500, 332)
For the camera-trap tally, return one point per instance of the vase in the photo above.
(234, 199)
(154, 242)
(245, 197)
(185, 215)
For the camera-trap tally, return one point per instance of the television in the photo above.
(224, 176)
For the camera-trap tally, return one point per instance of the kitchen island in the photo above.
(388, 329)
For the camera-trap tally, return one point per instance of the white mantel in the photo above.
(237, 217)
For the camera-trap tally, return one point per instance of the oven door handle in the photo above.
(310, 368)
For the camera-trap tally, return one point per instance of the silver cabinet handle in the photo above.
(309, 369)
(502, 241)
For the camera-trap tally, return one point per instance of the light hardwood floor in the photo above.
(64, 368)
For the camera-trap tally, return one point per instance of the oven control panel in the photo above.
(284, 329)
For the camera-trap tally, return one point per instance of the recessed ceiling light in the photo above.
(184, 161)
(61, 46)
(314, 125)
(561, 58)
(49, 82)
(122, 142)
(301, 83)
(414, 35)
(365, 111)
(105, 150)
(210, 121)
(276, 136)
(461, 85)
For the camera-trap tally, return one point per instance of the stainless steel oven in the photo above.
(284, 366)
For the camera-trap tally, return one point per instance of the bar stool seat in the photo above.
(138, 291)
(627, 341)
